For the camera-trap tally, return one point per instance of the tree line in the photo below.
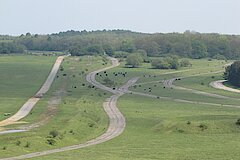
(121, 43)
(170, 62)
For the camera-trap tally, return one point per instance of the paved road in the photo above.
(219, 85)
(116, 119)
(27, 107)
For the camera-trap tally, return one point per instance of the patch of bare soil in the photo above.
(50, 111)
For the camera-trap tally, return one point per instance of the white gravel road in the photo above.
(27, 107)
(219, 85)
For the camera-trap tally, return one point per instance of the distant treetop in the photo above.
(188, 44)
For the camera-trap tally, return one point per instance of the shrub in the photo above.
(27, 145)
(61, 68)
(90, 125)
(232, 74)
(238, 122)
(202, 126)
(53, 133)
(51, 141)
(209, 59)
(71, 131)
(185, 63)
(166, 63)
(219, 57)
(18, 143)
(180, 130)
(134, 60)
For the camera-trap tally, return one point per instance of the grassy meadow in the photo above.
(164, 129)
(155, 129)
(21, 77)
(77, 118)
(159, 129)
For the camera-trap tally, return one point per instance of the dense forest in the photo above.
(122, 42)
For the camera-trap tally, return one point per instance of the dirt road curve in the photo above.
(116, 119)
(169, 84)
(91, 77)
(219, 85)
(27, 107)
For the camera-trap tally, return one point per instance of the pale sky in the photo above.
(149, 16)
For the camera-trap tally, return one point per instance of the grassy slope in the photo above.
(195, 83)
(21, 77)
(79, 117)
(147, 74)
(158, 129)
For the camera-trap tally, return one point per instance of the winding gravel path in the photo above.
(28, 106)
(116, 119)
(216, 84)
(169, 84)
(219, 85)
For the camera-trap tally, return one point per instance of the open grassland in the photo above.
(155, 128)
(159, 129)
(21, 77)
(148, 74)
(159, 90)
(164, 129)
(202, 83)
(78, 116)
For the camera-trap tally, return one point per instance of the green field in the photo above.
(21, 77)
(147, 74)
(160, 130)
(155, 129)
(79, 116)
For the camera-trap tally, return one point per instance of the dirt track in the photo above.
(27, 107)
(116, 119)
(169, 84)
(219, 85)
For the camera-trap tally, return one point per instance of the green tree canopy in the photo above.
(166, 63)
(199, 50)
(232, 74)
(134, 60)
(127, 46)
(185, 63)
(191, 45)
